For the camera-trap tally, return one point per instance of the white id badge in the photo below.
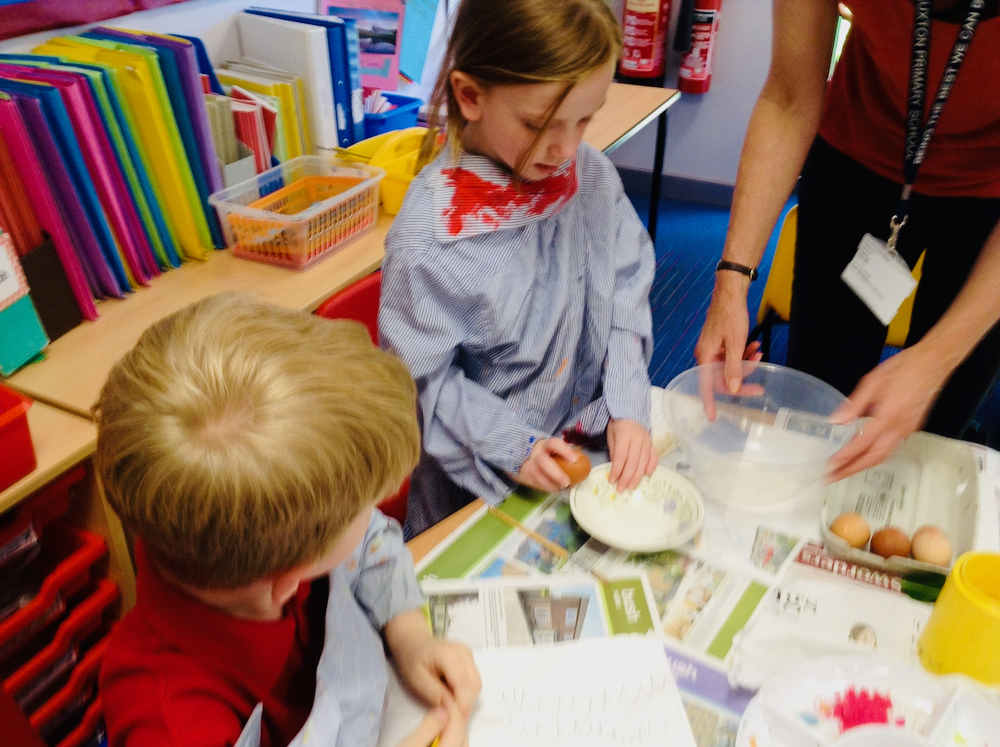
(879, 277)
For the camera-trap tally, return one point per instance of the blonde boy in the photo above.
(244, 446)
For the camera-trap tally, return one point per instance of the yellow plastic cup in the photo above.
(963, 632)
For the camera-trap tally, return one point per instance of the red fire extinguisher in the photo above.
(695, 75)
(645, 30)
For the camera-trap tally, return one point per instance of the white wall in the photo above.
(212, 20)
(706, 131)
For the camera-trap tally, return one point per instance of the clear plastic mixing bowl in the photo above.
(766, 444)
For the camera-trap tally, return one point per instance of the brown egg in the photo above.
(889, 541)
(852, 528)
(931, 545)
(576, 471)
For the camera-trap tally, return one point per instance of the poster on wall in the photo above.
(380, 26)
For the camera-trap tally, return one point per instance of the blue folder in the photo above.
(204, 64)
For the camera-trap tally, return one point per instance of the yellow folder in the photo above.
(138, 73)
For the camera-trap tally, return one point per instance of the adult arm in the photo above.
(782, 127)
(898, 394)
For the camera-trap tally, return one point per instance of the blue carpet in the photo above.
(689, 242)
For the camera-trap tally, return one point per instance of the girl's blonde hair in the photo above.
(514, 42)
(238, 439)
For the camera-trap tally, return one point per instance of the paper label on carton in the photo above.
(13, 284)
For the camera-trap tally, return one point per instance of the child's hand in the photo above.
(540, 470)
(434, 670)
(633, 455)
(445, 722)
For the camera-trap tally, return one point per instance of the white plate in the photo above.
(814, 702)
(664, 511)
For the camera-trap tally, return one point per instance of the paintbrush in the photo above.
(555, 549)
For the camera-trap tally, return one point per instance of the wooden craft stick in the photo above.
(555, 549)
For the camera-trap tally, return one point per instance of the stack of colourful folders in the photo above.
(107, 158)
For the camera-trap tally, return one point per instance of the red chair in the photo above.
(360, 303)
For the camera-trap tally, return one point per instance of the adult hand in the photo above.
(433, 669)
(724, 334)
(724, 338)
(633, 455)
(897, 395)
(540, 471)
(445, 722)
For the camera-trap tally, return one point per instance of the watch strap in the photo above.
(725, 264)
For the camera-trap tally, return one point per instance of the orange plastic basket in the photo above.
(301, 211)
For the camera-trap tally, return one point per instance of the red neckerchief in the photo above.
(477, 196)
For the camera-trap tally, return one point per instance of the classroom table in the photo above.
(423, 543)
(77, 364)
(833, 586)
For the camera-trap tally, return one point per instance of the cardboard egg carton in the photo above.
(929, 480)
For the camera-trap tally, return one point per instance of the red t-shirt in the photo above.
(180, 673)
(866, 106)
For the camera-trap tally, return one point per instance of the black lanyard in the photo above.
(917, 137)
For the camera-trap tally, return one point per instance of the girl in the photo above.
(517, 274)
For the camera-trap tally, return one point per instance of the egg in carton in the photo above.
(930, 480)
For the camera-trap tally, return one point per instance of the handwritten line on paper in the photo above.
(606, 692)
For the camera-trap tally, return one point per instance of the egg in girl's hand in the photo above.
(852, 528)
(577, 471)
(889, 541)
(931, 545)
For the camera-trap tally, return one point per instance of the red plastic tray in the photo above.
(84, 676)
(78, 551)
(87, 726)
(21, 527)
(41, 507)
(15, 439)
(83, 620)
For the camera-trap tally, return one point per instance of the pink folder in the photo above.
(98, 153)
(28, 165)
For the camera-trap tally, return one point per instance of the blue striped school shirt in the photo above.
(516, 329)
(367, 590)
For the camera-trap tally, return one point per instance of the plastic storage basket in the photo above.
(300, 212)
(402, 116)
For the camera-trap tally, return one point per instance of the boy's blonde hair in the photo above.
(514, 42)
(238, 438)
